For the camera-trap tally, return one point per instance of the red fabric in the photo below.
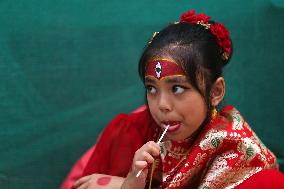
(120, 139)
(76, 171)
(266, 179)
(225, 153)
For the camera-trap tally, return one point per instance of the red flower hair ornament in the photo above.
(218, 30)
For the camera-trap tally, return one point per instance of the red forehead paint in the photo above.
(163, 68)
(103, 181)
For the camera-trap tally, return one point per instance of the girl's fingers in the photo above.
(141, 168)
(146, 152)
(152, 148)
(146, 156)
(84, 185)
(81, 181)
(140, 165)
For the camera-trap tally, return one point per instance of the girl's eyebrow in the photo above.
(149, 80)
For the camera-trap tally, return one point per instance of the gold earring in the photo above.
(214, 113)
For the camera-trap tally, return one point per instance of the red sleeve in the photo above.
(119, 141)
(266, 179)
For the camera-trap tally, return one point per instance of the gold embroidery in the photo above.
(213, 139)
(206, 167)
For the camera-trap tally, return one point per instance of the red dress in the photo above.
(224, 154)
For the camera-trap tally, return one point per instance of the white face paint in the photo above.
(158, 70)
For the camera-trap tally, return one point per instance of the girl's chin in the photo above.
(174, 137)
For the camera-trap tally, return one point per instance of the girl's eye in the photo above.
(178, 89)
(150, 89)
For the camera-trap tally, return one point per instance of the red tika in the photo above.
(225, 153)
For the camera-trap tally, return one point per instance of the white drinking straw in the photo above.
(159, 141)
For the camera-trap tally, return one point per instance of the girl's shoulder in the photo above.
(230, 131)
(232, 121)
(137, 123)
(118, 142)
(137, 118)
(230, 126)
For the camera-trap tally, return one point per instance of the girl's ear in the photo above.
(218, 91)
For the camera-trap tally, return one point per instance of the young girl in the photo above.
(181, 68)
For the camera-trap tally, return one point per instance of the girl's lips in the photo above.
(174, 125)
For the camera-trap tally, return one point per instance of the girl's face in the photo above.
(174, 101)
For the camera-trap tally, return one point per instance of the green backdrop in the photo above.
(67, 67)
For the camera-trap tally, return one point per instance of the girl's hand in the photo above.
(97, 181)
(142, 159)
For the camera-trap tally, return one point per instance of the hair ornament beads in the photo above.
(206, 26)
(153, 36)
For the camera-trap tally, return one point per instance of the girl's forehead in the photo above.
(162, 68)
(168, 79)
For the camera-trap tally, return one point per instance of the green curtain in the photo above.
(68, 67)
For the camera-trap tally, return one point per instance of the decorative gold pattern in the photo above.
(212, 139)
(223, 155)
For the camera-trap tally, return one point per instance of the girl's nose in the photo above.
(164, 103)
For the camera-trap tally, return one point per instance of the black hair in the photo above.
(194, 48)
